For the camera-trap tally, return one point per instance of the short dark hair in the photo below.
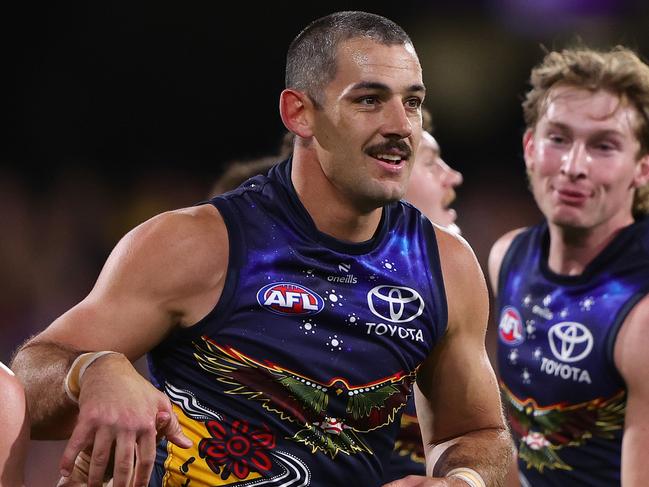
(311, 57)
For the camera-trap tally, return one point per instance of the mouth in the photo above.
(392, 155)
(391, 159)
(571, 196)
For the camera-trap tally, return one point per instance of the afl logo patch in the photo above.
(287, 298)
(510, 328)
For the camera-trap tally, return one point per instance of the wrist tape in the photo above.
(470, 476)
(72, 383)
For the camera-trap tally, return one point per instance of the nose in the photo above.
(574, 161)
(452, 176)
(396, 123)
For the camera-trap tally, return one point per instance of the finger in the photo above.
(79, 475)
(70, 482)
(124, 458)
(80, 439)
(161, 422)
(174, 433)
(101, 450)
(145, 456)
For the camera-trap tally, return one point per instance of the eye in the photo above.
(413, 103)
(557, 138)
(369, 100)
(605, 146)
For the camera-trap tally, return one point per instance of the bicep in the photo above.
(163, 273)
(122, 324)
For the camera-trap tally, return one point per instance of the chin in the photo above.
(569, 221)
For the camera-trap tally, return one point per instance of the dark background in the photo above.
(115, 111)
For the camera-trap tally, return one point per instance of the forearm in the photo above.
(42, 368)
(488, 451)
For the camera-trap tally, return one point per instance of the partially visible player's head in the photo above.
(237, 172)
(432, 182)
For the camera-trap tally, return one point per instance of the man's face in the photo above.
(581, 159)
(368, 129)
(432, 183)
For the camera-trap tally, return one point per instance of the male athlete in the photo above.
(287, 321)
(572, 290)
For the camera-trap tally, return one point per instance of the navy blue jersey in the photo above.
(300, 373)
(556, 335)
(408, 457)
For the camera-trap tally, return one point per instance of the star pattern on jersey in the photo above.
(302, 400)
(527, 300)
(513, 356)
(530, 328)
(543, 432)
(587, 303)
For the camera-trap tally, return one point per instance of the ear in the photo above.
(641, 176)
(295, 108)
(528, 148)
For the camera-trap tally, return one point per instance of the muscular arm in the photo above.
(457, 382)
(630, 356)
(14, 425)
(167, 272)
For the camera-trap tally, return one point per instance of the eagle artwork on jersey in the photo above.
(244, 453)
(561, 426)
(299, 399)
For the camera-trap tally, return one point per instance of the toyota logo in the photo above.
(397, 304)
(569, 341)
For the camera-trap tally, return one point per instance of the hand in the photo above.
(120, 412)
(419, 481)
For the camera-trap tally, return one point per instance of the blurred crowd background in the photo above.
(114, 112)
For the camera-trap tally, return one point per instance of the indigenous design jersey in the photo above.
(300, 373)
(556, 334)
(408, 457)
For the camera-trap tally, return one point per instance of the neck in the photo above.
(333, 212)
(572, 249)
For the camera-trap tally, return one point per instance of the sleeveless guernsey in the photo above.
(556, 335)
(408, 457)
(300, 373)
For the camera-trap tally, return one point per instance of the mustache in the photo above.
(403, 148)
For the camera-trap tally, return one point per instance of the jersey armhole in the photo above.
(506, 263)
(615, 329)
(236, 255)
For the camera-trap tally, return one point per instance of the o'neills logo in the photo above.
(287, 298)
(348, 279)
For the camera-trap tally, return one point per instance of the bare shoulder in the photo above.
(186, 244)
(456, 255)
(630, 352)
(497, 254)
